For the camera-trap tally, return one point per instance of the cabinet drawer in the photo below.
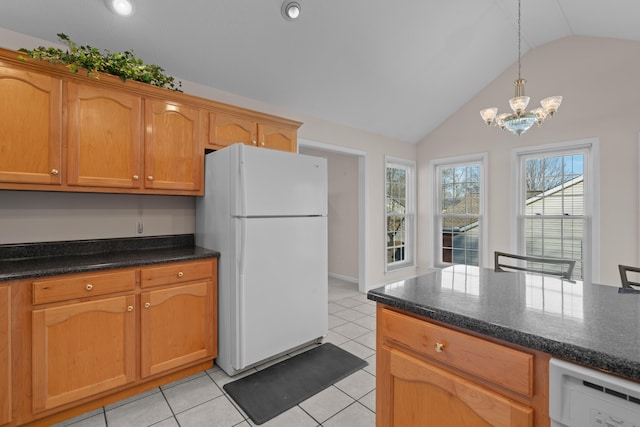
(82, 285)
(176, 273)
(495, 363)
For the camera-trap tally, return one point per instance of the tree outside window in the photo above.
(459, 213)
(399, 209)
(553, 206)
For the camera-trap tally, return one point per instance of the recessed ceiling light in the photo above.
(290, 10)
(120, 7)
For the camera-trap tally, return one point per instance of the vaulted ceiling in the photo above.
(396, 68)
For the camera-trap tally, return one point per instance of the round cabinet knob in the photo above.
(89, 286)
(254, 142)
(180, 274)
(262, 143)
(147, 304)
(439, 347)
(136, 177)
(54, 172)
(130, 308)
(150, 177)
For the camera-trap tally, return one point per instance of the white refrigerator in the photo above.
(265, 211)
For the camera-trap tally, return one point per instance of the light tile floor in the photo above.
(200, 399)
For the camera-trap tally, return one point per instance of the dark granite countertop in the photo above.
(28, 260)
(594, 325)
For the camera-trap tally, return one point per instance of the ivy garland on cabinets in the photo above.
(122, 64)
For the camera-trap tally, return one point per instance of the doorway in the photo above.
(346, 213)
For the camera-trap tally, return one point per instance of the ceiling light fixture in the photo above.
(521, 120)
(120, 7)
(290, 10)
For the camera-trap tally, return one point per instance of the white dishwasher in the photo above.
(583, 397)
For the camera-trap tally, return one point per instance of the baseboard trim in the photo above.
(343, 277)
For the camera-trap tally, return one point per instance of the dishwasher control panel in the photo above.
(603, 419)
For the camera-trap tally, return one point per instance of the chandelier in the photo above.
(520, 120)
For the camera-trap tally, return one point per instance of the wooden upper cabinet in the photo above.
(61, 131)
(30, 127)
(226, 129)
(104, 137)
(174, 153)
(277, 137)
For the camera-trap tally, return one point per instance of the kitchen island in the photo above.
(494, 333)
(86, 323)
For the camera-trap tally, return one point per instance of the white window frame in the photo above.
(480, 159)
(410, 213)
(591, 198)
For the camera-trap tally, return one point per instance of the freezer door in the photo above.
(278, 183)
(283, 296)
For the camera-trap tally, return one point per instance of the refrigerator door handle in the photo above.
(238, 356)
(243, 245)
(242, 181)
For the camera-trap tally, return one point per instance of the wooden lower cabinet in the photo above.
(172, 329)
(80, 341)
(431, 375)
(5, 354)
(425, 395)
(82, 349)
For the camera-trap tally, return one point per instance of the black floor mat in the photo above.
(272, 391)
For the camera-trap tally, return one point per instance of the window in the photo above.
(555, 199)
(459, 214)
(399, 213)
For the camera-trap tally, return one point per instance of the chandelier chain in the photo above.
(519, 67)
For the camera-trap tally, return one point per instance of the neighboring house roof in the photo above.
(556, 200)
(530, 202)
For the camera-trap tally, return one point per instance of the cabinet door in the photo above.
(414, 393)
(277, 137)
(227, 129)
(177, 327)
(5, 354)
(104, 137)
(174, 153)
(82, 349)
(30, 127)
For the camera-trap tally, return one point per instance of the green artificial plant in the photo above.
(124, 65)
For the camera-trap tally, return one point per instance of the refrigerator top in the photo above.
(273, 183)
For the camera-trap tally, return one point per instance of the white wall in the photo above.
(598, 80)
(36, 216)
(375, 147)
